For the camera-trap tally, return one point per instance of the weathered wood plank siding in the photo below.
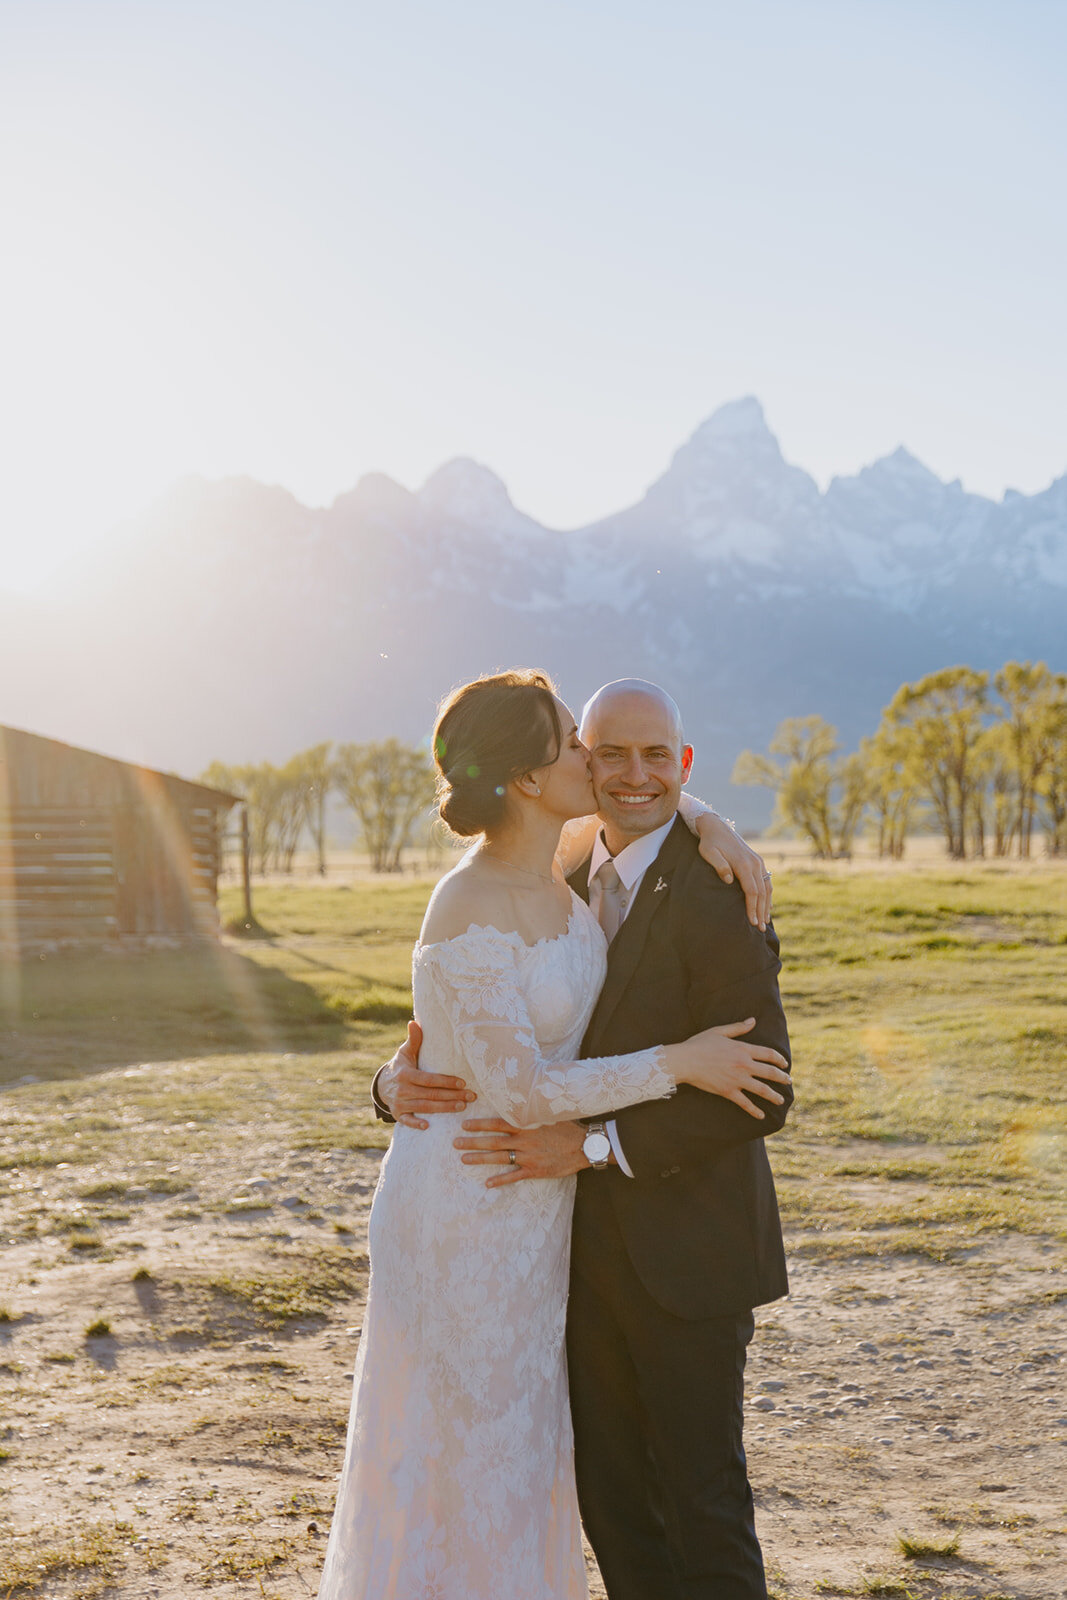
(92, 848)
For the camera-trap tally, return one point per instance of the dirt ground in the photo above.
(196, 1444)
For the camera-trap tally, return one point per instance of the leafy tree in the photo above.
(1003, 780)
(317, 772)
(387, 785)
(261, 788)
(940, 721)
(290, 810)
(854, 786)
(805, 780)
(1030, 695)
(893, 788)
(1053, 784)
(220, 776)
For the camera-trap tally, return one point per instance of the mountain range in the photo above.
(231, 621)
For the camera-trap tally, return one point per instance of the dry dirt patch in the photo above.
(195, 1444)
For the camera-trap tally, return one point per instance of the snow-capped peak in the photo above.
(737, 419)
(465, 490)
(901, 464)
(735, 436)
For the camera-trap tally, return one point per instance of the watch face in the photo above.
(597, 1147)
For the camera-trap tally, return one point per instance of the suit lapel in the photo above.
(579, 880)
(626, 948)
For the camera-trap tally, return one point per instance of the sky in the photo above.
(311, 240)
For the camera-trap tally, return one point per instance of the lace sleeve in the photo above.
(475, 980)
(691, 808)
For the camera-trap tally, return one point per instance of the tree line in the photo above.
(387, 785)
(983, 756)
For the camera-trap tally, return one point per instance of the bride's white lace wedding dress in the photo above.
(458, 1481)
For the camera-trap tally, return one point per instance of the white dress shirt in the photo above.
(631, 864)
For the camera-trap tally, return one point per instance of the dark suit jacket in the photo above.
(699, 1219)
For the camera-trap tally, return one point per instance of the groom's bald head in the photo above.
(637, 758)
(613, 698)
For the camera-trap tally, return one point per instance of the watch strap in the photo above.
(381, 1110)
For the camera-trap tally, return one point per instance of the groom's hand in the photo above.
(411, 1094)
(551, 1152)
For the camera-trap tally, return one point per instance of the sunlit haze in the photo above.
(307, 242)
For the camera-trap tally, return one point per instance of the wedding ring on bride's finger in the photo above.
(511, 1157)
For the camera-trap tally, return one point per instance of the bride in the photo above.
(458, 1482)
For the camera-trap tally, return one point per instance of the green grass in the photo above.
(77, 1013)
(335, 964)
(293, 1024)
(295, 1286)
(930, 1065)
(307, 1291)
(104, 1191)
(29, 1568)
(928, 1549)
(928, 1013)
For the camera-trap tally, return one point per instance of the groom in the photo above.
(676, 1234)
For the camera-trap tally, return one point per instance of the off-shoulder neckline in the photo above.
(511, 935)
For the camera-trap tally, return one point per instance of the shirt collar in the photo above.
(633, 862)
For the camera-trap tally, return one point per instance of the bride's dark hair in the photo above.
(489, 732)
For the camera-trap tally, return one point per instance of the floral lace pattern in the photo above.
(458, 1480)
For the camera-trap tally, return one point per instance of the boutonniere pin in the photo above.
(661, 883)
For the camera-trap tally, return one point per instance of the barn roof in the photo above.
(18, 746)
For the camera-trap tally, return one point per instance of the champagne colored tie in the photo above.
(609, 912)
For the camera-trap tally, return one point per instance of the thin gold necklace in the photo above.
(528, 870)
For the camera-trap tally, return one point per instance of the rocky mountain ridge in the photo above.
(232, 621)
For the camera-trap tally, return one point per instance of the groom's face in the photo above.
(638, 764)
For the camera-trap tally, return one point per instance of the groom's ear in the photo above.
(687, 762)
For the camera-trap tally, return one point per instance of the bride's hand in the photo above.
(719, 1062)
(725, 850)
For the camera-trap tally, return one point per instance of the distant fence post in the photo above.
(246, 864)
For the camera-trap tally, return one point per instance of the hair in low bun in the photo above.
(489, 732)
(467, 809)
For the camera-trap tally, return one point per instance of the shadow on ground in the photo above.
(65, 1015)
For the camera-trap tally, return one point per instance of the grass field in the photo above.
(928, 1015)
(186, 1157)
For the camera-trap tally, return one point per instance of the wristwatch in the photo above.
(596, 1147)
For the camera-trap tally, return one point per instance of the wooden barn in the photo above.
(97, 850)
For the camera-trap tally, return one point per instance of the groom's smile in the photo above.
(634, 803)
